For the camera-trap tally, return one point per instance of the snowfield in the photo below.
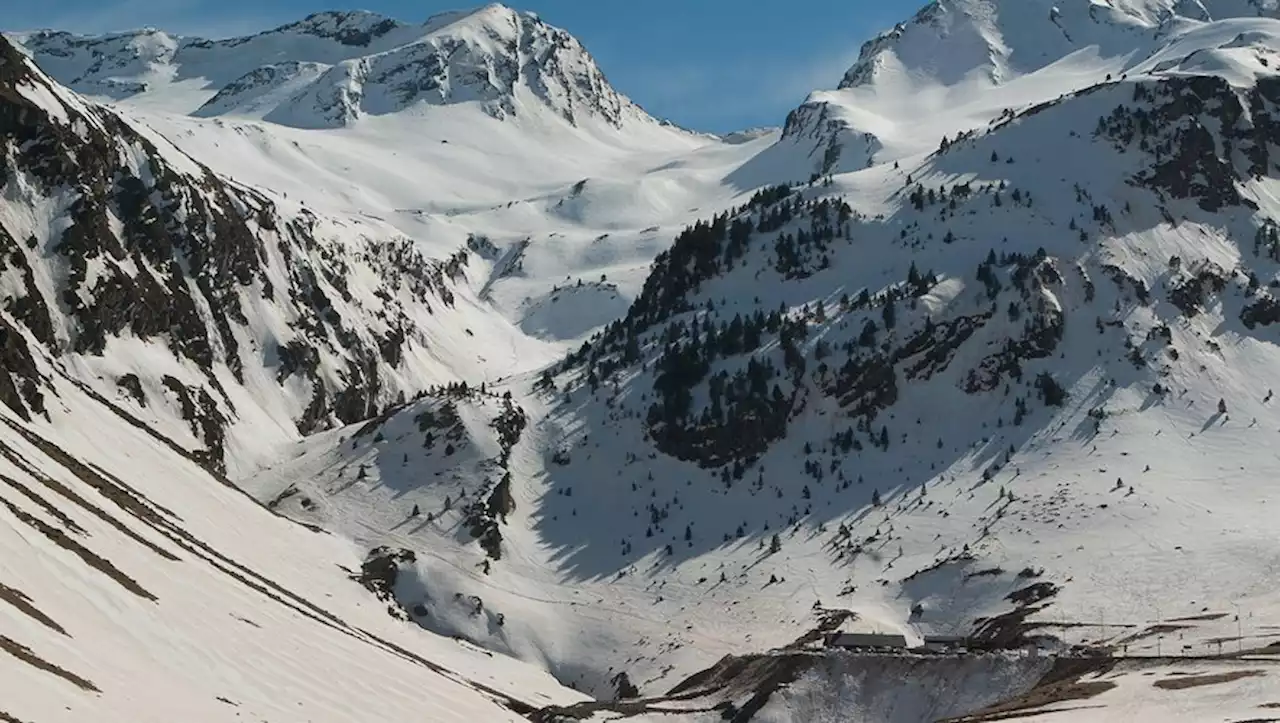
(361, 370)
(140, 588)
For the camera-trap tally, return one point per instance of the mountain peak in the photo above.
(348, 27)
(505, 62)
(948, 40)
(333, 68)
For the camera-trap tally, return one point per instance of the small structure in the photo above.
(944, 643)
(857, 641)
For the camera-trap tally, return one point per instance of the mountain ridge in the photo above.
(981, 59)
(365, 64)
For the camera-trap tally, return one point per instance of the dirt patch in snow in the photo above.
(23, 653)
(60, 538)
(65, 492)
(1162, 629)
(19, 600)
(1195, 681)
(1061, 684)
(1199, 618)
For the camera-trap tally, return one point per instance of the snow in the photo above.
(253, 615)
(562, 215)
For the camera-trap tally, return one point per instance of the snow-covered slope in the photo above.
(959, 64)
(487, 123)
(231, 319)
(138, 587)
(964, 394)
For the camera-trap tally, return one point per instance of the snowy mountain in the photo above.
(959, 64)
(333, 68)
(204, 301)
(956, 394)
(950, 40)
(531, 394)
(964, 389)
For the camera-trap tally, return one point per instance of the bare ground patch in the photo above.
(70, 495)
(756, 676)
(1061, 684)
(1162, 629)
(90, 558)
(22, 602)
(1195, 681)
(1013, 715)
(44, 504)
(1199, 618)
(23, 653)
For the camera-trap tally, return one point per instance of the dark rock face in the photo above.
(355, 28)
(19, 378)
(1040, 338)
(379, 573)
(1193, 128)
(206, 421)
(484, 515)
(1263, 312)
(190, 259)
(1190, 294)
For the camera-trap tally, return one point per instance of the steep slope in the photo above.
(139, 587)
(963, 396)
(1008, 384)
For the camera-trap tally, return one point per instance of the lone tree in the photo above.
(1050, 390)
(775, 545)
(889, 315)
(1222, 406)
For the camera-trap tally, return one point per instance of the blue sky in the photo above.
(715, 65)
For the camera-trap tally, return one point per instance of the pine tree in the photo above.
(890, 314)
(775, 545)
